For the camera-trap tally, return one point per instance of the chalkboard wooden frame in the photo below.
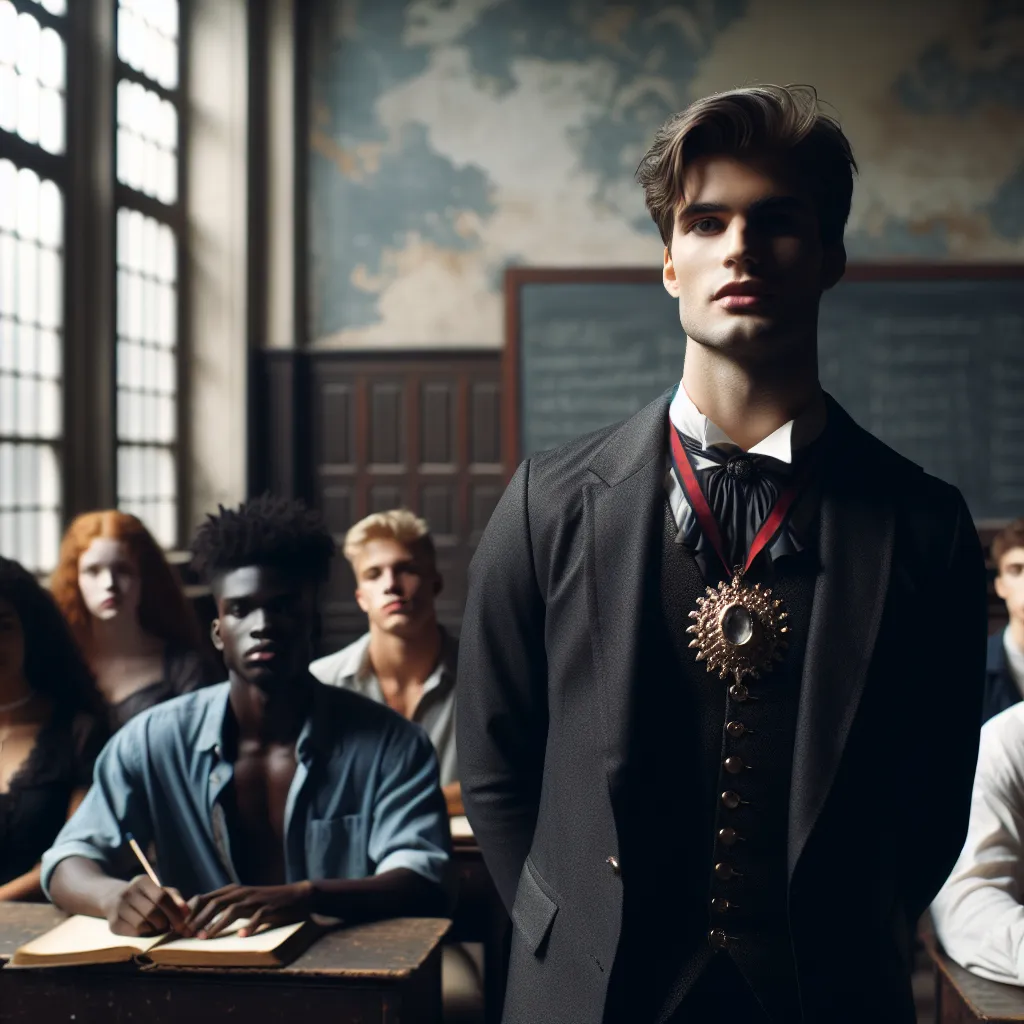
(517, 277)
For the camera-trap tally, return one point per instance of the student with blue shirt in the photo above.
(270, 796)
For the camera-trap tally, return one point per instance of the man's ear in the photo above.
(668, 275)
(215, 635)
(833, 265)
(1000, 587)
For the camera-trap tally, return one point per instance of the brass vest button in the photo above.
(720, 905)
(739, 692)
(725, 871)
(728, 836)
(718, 939)
(731, 800)
(733, 765)
(735, 729)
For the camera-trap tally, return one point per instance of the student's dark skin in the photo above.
(264, 630)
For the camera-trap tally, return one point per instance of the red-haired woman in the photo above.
(128, 613)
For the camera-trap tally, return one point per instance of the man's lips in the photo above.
(742, 301)
(395, 606)
(263, 654)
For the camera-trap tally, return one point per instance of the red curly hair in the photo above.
(164, 610)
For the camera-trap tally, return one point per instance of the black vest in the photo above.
(693, 861)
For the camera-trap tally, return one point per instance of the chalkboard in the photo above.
(929, 359)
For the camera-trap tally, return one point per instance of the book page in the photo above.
(79, 936)
(230, 941)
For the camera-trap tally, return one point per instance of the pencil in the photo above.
(148, 868)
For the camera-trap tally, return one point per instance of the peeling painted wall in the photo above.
(452, 138)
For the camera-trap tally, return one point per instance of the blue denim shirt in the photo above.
(365, 798)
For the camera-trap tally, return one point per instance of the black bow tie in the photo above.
(741, 490)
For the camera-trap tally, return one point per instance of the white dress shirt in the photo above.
(350, 668)
(780, 444)
(978, 914)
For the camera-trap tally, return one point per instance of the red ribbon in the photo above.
(705, 516)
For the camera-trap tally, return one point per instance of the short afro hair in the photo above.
(266, 531)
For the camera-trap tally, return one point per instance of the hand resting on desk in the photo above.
(271, 905)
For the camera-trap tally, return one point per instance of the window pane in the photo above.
(147, 38)
(32, 79)
(147, 372)
(147, 142)
(31, 320)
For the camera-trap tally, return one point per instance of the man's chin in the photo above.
(267, 679)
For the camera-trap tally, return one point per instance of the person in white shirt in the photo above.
(406, 660)
(978, 914)
(1004, 671)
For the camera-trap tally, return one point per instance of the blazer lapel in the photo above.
(856, 541)
(625, 510)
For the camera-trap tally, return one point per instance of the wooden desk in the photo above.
(388, 972)
(480, 916)
(962, 997)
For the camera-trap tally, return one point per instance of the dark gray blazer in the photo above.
(886, 740)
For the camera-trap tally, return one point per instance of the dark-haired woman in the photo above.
(51, 728)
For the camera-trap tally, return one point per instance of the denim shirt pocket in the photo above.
(337, 847)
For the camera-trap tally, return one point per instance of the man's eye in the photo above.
(704, 225)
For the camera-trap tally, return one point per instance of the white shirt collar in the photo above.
(350, 667)
(779, 444)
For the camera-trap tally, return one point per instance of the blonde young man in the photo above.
(406, 660)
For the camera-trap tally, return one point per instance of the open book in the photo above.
(89, 940)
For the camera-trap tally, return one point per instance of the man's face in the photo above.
(264, 625)
(108, 579)
(1010, 582)
(747, 226)
(396, 585)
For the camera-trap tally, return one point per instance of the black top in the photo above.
(35, 805)
(184, 671)
(1000, 689)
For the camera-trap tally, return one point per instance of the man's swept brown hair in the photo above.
(1007, 539)
(762, 120)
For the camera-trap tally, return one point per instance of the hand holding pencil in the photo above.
(145, 907)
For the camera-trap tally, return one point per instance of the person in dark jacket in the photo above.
(721, 664)
(1004, 672)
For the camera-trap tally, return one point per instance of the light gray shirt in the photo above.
(350, 668)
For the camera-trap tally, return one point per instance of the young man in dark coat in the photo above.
(725, 804)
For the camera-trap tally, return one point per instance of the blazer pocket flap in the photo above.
(533, 910)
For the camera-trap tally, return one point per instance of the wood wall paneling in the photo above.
(413, 429)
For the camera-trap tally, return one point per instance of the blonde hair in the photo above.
(395, 524)
(759, 120)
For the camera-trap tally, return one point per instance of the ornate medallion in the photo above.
(740, 630)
